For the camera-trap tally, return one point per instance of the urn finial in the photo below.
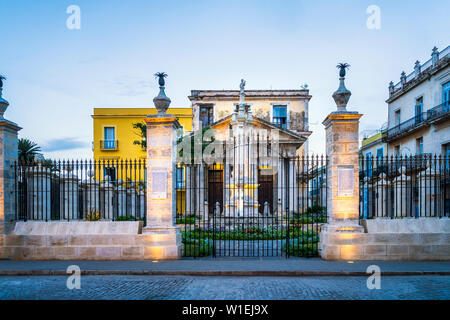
(161, 101)
(3, 103)
(342, 95)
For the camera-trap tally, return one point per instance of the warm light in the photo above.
(155, 261)
(350, 262)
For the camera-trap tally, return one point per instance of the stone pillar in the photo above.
(382, 192)
(91, 195)
(131, 202)
(402, 195)
(8, 155)
(161, 192)
(39, 192)
(107, 201)
(121, 200)
(69, 196)
(342, 129)
(430, 193)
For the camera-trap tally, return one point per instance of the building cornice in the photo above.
(423, 76)
(206, 95)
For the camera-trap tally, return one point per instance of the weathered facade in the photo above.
(419, 109)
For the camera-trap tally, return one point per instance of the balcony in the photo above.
(109, 145)
(440, 112)
(433, 115)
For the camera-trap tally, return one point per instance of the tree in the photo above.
(28, 150)
(142, 133)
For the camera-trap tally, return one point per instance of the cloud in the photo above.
(64, 144)
(131, 86)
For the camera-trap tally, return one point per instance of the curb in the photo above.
(218, 273)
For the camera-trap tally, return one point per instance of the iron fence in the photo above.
(405, 186)
(80, 190)
(252, 209)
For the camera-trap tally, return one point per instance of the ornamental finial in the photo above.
(342, 95)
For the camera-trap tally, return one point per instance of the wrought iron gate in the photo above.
(259, 210)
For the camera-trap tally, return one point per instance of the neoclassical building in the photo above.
(261, 135)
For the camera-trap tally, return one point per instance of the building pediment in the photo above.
(223, 130)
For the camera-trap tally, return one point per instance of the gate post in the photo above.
(8, 155)
(342, 178)
(163, 234)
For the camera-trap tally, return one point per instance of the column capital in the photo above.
(342, 116)
(9, 125)
(162, 120)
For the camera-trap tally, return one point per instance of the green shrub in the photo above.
(297, 248)
(125, 218)
(197, 248)
(93, 215)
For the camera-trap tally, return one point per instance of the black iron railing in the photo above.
(419, 120)
(258, 207)
(80, 190)
(405, 187)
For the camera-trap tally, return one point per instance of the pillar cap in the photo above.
(342, 116)
(164, 119)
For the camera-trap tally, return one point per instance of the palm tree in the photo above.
(142, 133)
(28, 150)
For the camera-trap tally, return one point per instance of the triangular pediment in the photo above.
(223, 126)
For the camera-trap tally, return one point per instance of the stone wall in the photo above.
(385, 246)
(93, 241)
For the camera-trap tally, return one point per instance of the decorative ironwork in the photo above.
(80, 190)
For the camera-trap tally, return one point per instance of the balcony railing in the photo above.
(419, 120)
(109, 145)
(427, 64)
(439, 111)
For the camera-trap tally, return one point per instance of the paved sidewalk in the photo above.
(226, 267)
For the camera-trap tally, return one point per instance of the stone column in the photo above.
(402, 195)
(342, 129)
(107, 201)
(382, 191)
(429, 192)
(8, 155)
(68, 196)
(161, 192)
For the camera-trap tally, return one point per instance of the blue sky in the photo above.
(56, 76)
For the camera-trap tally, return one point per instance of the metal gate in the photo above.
(240, 210)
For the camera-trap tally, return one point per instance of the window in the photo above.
(397, 117)
(111, 173)
(206, 115)
(446, 95)
(109, 138)
(419, 109)
(397, 151)
(380, 153)
(280, 116)
(419, 145)
(180, 178)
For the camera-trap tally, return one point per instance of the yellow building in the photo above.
(114, 134)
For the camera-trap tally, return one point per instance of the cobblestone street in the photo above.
(240, 288)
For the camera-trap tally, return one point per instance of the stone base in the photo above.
(164, 242)
(384, 246)
(154, 244)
